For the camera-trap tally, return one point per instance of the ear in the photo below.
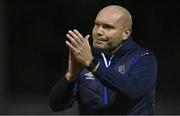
(126, 33)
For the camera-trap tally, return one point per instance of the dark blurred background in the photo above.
(33, 53)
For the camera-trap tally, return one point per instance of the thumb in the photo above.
(87, 36)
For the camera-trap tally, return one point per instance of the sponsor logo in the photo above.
(89, 76)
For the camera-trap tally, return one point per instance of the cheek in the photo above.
(115, 39)
(93, 30)
(118, 41)
(93, 33)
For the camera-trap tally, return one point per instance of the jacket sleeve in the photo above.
(140, 79)
(62, 94)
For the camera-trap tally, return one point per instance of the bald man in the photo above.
(114, 76)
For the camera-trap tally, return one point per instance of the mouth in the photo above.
(100, 43)
(101, 39)
(97, 41)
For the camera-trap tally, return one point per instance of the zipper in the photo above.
(105, 95)
(105, 98)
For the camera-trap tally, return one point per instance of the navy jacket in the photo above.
(123, 84)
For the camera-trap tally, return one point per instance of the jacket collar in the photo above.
(129, 44)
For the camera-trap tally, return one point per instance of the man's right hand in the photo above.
(74, 67)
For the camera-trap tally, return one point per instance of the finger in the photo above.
(71, 46)
(74, 51)
(69, 53)
(69, 61)
(78, 34)
(73, 35)
(73, 41)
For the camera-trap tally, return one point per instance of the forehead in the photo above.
(108, 17)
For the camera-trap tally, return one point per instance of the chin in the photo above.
(101, 48)
(98, 46)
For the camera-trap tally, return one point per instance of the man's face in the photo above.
(107, 32)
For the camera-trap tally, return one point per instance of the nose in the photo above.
(100, 30)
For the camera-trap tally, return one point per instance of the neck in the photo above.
(110, 52)
(117, 48)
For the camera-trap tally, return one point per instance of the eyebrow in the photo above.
(104, 24)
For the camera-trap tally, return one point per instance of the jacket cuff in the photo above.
(65, 83)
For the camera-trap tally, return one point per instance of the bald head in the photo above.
(118, 13)
(112, 27)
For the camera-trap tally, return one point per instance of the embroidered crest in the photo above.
(121, 69)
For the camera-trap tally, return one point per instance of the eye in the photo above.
(108, 26)
(96, 24)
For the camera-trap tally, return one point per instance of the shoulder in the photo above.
(144, 56)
